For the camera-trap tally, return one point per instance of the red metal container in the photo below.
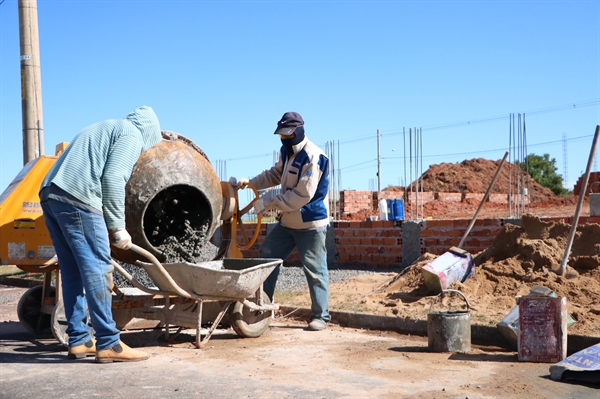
(543, 329)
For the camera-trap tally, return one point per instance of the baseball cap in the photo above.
(288, 123)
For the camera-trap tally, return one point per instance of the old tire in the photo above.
(29, 311)
(250, 323)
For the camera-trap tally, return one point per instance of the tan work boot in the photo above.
(120, 353)
(83, 350)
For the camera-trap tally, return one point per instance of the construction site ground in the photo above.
(359, 360)
(287, 361)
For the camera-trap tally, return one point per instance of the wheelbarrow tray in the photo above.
(229, 278)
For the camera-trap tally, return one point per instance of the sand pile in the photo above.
(519, 258)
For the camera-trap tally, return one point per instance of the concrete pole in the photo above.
(31, 82)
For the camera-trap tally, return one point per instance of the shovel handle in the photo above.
(487, 193)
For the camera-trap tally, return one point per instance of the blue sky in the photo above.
(223, 72)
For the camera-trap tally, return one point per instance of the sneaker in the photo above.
(120, 353)
(83, 350)
(317, 325)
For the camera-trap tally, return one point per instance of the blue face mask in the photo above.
(289, 143)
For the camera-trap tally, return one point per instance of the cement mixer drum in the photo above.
(173, 196)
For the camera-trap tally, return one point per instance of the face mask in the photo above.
(296, 138)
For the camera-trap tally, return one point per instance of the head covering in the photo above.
(288, 123)
(147, 123)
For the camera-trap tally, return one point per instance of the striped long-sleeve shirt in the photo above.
(98, 162)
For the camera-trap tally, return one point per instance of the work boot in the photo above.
(317, 325)
(120, 353)
(83, 350)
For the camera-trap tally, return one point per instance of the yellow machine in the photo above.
(25, 241)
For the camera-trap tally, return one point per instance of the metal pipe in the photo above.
(586, 178)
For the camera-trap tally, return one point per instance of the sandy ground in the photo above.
(287, 361)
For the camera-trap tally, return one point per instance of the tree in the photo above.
(542, 169)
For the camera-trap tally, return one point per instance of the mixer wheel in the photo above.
(250, 323)
(29, 311)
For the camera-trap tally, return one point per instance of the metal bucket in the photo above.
(173, 188)
(449, 331)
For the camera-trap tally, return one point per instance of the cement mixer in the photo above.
(174, 203)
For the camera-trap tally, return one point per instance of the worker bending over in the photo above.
(83, 199)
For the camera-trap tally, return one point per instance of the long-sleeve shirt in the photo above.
(304, 179)
(98, 162)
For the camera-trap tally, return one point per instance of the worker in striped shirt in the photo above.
(83, 199)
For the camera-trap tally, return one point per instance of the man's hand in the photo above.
(259, 206)
(241, 183)
(121, 239)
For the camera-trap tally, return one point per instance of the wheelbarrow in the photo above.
(181, 292)
(235, 283)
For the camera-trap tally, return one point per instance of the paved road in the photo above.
(286, 362)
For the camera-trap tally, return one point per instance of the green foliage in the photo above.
(542, 169)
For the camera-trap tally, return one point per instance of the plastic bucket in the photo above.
(395, 209)
(449, 331)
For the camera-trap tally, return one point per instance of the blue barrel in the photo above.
(395, 209)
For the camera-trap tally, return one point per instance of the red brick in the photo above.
(390, 241)
(461, 223)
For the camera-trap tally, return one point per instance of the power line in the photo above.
(546, 110)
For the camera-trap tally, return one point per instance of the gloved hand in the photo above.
(241, 183)
(259, 206)
(121, 239)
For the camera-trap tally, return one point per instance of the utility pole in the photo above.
(378, 162)
(31, 82)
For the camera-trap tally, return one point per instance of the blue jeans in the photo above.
(280, 243)
(80, 239)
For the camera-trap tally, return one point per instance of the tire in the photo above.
(29, 311)
(59, 323)
(249, 323)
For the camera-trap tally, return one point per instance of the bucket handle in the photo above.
(450, 291)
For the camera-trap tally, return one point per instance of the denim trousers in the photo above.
(80, 239)
(280, 243)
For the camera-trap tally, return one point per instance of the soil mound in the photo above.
(475, 176)
(519, 258)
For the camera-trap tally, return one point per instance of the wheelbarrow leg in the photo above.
(201, 343)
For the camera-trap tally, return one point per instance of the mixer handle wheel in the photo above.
(246, 209)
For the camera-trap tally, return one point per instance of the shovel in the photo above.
(456, 264)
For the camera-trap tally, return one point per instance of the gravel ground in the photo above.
(8, 297)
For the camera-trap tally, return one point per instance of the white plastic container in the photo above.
(383, 209)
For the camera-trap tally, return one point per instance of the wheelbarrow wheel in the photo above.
(59, 323)
(250, 323)
(29, 312)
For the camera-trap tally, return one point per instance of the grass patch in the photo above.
(290, 297)
(15, 272)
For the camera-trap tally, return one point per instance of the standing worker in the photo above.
(83, 199)
(303, 172)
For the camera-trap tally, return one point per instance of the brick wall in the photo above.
(379, 244)
(352, 201)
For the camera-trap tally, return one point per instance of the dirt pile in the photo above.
(475, 176)
(519, 258)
